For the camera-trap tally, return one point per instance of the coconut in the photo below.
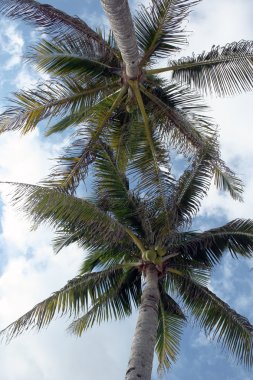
(161, 251)
(150, 255)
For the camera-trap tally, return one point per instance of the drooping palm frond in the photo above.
(154, 157)
(153, 182)
(171, 321)
(71, 300)
(73, 165)
(52, 20)
(159, 29)
(220, 322)
(113, 185)
(181, 121)
(115, 304)
(223, 71)
(71, 56)
(209, 246)
(192, 186)
(69, 214)
(179, 130)
(226, 180)
(123, 136)
(198, 271)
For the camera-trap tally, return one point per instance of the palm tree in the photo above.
(141, 254)
(93, 90)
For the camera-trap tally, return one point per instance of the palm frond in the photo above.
(71, 56)
(97, 260)
(52, 20)
(191, 188)
(54, 99)
(113, 184)
(73, 165)
(159, 30)
(72, 299)
(161, 177)
(171, 321)
(226, 180)
(209, 246)
(223, 71)
(181, 121)
(72, 120)
(220, 322)
(115, 304)
(180, 131)
(123, 137)
(69, 214)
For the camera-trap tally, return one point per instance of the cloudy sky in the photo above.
(29, 271)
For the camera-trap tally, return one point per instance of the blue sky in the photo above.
(29, 271)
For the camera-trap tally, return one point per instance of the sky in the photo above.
(30, 271)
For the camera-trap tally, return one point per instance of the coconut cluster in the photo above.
(154, 255)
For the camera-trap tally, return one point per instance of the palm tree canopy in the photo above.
(90, 92)
(128, 226)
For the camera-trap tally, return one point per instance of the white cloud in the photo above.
(11, 43)
(25, 78)
(201, 341)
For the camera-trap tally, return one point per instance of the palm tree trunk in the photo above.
(142, 350)
(121, 22)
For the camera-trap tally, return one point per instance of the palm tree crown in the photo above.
(129, 230)
(89, 89)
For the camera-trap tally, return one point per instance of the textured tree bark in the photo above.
(121, 22)
(142, 350)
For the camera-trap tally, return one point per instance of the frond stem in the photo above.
(135, 87)
(136, 240)
(190, 65)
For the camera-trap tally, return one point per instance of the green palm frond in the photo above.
(223, 71)
(194, 184)
(69, 214)
(123, 137)
(171, 321)
(52, 100)
(179, 130)
(72, 120)
(71, 300)
(115, 304)
(197, 271)
(71, 56)
(226, 180)
(113, 185)
(159, 30)
(96, 260)
(209, 246)
(51, 20)
(191, 188)
(73, 165)
(159, 178)
(153, 182)
(220, 322)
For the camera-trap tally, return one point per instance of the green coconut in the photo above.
(150, 255)
(161, 251)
